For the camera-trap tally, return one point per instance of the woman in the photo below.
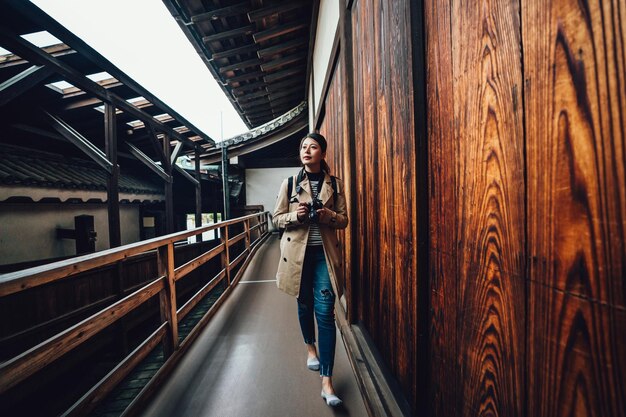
(310, 263)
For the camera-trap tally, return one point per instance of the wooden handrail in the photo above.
(21, 367)
(236, 238)
(183, 270)
(89, 401)
(238, 259)
(189, 305)
(32, 277)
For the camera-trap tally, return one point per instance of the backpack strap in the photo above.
(289, 187)
(333, 184)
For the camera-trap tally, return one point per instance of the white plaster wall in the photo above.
(262, 185)
(28, 231)
(327, 25)
(311, 106)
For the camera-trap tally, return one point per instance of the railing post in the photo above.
(121, 324)
(167, 298)
(266, 223)
(247, 226)
(225, 255)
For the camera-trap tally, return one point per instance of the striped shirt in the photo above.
(315, 237)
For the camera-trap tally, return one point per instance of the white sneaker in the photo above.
(331, 399)
(313, 363)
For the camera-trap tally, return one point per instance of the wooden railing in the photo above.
(23, 366)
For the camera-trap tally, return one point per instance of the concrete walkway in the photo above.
(251, 361)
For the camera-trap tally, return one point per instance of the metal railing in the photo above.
(23, 366)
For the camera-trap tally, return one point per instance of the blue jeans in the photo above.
(316, 295)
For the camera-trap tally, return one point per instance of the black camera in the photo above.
(313, 206)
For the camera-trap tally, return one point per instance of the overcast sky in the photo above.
(142, 39)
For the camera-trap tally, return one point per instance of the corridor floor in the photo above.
(251, 361)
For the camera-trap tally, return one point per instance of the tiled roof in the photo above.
(27, 167)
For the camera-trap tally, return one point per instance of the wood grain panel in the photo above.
(359, 198)
(575, 100)
(403, 231)
(382, 154)
(576, 106)
(577, 356)
(444, 383)
(335, 129)
(364, 63)
(385, 193)
(488, 125)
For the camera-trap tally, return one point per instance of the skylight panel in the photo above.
(99, 76)
(60, 86)
(163, 117)
(41, 39)
(135, 124)
(100, 108)
(139, 102)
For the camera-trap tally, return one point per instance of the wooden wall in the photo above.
(384, 188)
(335, 130)
(522, 199)
(526, 132)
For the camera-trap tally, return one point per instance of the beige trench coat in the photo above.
(295, 237)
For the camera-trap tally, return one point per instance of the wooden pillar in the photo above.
(247, 230)
(169, 192)
(167, 298)
(198, 195)
(226, 254)
(352, 283)
(422, 290)
(225, 188)
(113, 196)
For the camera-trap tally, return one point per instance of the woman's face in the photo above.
(311, 153)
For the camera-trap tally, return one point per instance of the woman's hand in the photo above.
(302, 212)
(326, 215)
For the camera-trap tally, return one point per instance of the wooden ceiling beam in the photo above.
(259, 111)
(156, 145)
(83, 102)
(259, 106)
(228, 34)
(22, 82)
(147, 161)
(245, 77)
(249, 99)
(284, 84)
(54, 50)
(259, 14)
(259, 101)
(35, 55)
(263, 112)
(276, 104)
(260, 114)
(277, 31)
(282, 74)
(286, 93)
(289, 59)
(241, 65)
(249, 87)
(242, 50)
(233, 10)
(282, 47)
(80, 142)
(250, 96)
